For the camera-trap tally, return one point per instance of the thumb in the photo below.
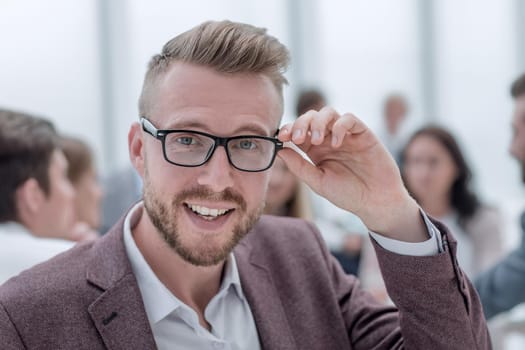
(301, 168)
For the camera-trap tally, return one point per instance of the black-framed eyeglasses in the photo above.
(190, 148)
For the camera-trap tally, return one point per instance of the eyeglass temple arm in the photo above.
(148, 127)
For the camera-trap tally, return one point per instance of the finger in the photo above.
(285, 133)
(348, 123)
(321, 123)
(301, 127)
(301, 168)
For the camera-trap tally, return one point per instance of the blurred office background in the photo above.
(81, 64)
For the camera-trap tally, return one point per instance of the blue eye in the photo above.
(185, 140)
(247, 144)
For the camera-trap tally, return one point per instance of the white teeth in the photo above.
(207, 211)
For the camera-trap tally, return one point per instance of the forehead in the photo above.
(426, 144)
(214, 101)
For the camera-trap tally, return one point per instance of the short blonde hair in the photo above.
(225, 46)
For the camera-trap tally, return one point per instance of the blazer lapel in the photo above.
(265, 303)
(118, 313)
(119, 316)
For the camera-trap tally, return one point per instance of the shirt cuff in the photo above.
(431, 246)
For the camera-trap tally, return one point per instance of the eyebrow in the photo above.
(251, 128)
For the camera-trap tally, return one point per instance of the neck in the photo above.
(276, 210)
(437, 206)
(193, 285)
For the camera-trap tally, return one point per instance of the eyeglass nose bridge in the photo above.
(219, 141)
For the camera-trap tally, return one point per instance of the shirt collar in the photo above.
(159, 302)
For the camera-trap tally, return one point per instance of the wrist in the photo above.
(402, 221)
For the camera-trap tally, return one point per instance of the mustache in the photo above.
(205, 193)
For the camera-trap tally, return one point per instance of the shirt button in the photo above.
(217, 345)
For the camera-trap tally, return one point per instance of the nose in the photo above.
(217, 173)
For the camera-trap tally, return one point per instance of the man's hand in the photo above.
(353, 170)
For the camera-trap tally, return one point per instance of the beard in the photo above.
(201, 251)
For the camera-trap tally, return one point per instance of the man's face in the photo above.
(56, 216)
(202, 212)
(517, 146)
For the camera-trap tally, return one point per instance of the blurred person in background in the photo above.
(36, 197)
(83, 175)
(439, 178)
(287, 195)
(122, 188)
(437, 175)
(392, 133)
(342, 231)
(503, 286)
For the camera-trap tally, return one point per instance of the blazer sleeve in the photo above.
(503, 286)
(438, 306)
(9, 337)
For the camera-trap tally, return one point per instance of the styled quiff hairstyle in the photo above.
(225, 46)
(26, 146)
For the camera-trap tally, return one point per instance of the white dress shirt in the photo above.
(175, 324)
(20, 250)
(431, 246)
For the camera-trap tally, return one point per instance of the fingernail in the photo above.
(316, 135)
(297, 133)
(334, 141)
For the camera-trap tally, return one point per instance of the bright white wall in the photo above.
(476, 56)
(369, 49)
(476, 63)
(49, 63)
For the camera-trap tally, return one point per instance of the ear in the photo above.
(29, 198)
(136, 149)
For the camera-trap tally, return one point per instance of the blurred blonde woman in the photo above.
(83, 175)
(286, 195)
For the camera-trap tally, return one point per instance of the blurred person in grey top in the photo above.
(122, 188)
(503, 286)
(36, 197)
(195, 265)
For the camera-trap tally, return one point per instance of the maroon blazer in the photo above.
(88, 298)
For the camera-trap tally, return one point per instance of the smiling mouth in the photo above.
(207, 213)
